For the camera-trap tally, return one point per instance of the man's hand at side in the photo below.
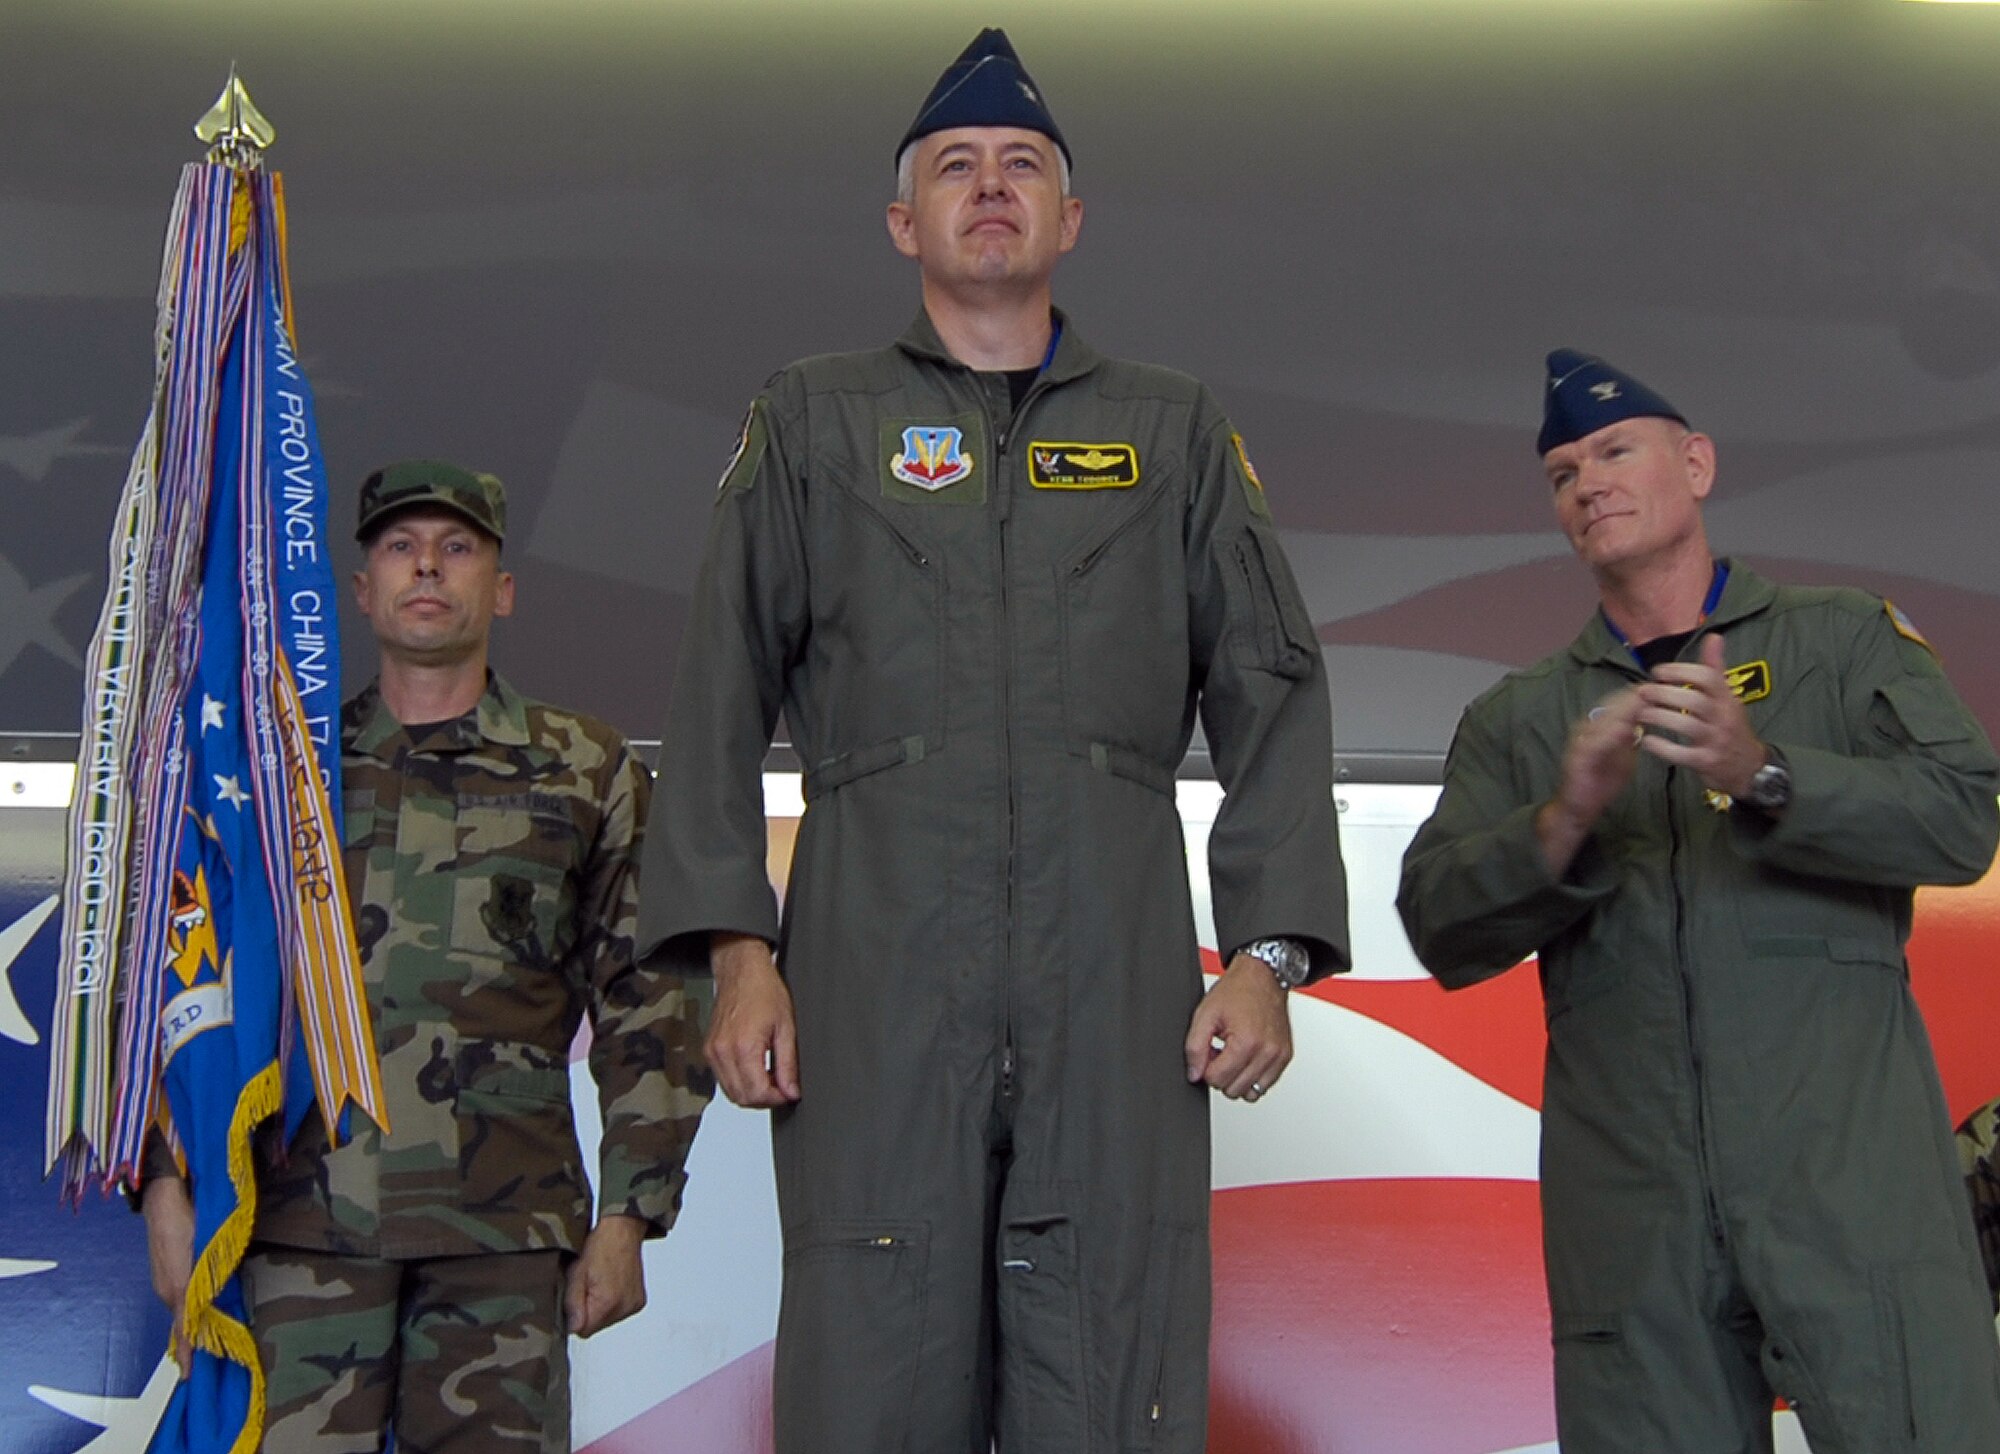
(170, 1252)
(1245, 1009)
(607, 1282)
(752, 1042)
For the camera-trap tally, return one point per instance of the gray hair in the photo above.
(906, 172)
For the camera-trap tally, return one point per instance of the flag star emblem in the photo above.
(211, 712)
(230, 791)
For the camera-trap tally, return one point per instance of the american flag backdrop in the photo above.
(1378, 1285)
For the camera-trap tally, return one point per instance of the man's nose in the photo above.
(991, 180)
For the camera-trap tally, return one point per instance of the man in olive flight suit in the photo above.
(1707, 816)
(424, 1279)
(991, 578)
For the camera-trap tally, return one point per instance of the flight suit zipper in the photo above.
(1685, 976)
(1003, 497)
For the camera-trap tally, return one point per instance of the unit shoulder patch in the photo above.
(1750, 680)
(741, 470)
(1253, 484)
(1068, 465)
(1907, 628)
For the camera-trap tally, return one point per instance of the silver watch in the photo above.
(1771, 785)
(1287, 959)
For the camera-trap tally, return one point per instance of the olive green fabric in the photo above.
(456, 1355)
(1748, 1177)
(492, 863)
(994, 1191)
(1979, 1155)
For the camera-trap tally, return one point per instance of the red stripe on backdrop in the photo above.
(1380, 1317)
(1492, 1030)
(728, 1412)
(1955, 971)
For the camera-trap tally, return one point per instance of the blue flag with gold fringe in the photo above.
(208, 977)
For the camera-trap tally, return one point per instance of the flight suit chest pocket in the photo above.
(877, 656)
(1122, 594)
(1268, 627)
(510, 889)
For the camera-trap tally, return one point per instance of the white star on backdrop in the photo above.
(33, 454)
(28, 616)
(126, 1424)
(230, 791)
(13, 939)
(211, 712)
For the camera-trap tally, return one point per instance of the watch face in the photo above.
(1770, 786)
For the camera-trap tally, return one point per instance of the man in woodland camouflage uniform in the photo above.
(1979, 1153)
(424, 1278)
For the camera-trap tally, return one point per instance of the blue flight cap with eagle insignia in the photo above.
(986, 86)
(1585, 393)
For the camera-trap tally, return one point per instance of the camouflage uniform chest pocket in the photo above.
(511, 892)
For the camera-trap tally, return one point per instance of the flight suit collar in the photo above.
(1744, 594)
(501, 717)
(1074, 358)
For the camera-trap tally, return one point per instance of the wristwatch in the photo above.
(1287, 959)
(1771, 785)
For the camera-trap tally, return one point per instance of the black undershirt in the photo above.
(1019, 381)
(1662, 648)
(418, 731)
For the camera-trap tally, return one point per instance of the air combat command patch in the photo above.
(934, 461)
(932, 457)
(1065, 465)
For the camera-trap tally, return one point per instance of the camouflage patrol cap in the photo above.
(480, 498)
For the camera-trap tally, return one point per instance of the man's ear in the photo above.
(1698, 454)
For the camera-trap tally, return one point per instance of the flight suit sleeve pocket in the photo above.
(1924, 718)
(1041, 1335)
(835, 1370)
(1267, 617)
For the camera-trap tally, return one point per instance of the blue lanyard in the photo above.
(1055, 337)
(1716, 582)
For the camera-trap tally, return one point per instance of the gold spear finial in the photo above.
(234, 128)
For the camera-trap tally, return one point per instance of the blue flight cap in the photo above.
(1586, 393)
(986, 86)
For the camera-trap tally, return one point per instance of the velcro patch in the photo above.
(1064, 465)
(1751, 680)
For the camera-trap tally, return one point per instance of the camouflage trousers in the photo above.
(458, 1355)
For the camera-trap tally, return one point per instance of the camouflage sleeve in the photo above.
(1979, 1150)
(645, 1053)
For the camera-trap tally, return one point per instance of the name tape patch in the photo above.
(1067, 465)
(1751, 680)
